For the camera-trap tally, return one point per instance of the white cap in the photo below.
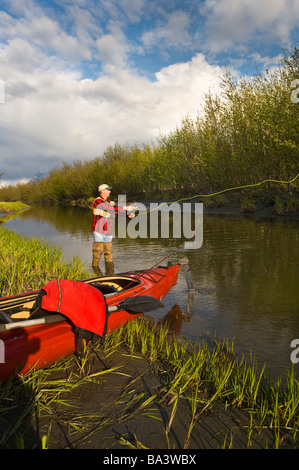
(104, 186)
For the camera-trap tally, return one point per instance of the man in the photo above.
(102, 228)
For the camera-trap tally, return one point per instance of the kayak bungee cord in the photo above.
(183, 262)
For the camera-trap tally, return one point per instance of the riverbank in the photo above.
(222, 204)
(11, 207)
(28, 264)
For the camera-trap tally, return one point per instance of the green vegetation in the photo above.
(28, 264)
(201, 375)
(194, 379)
(247, 134)
(7, 207)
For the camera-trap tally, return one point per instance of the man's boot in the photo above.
(108, 252)
(97, 251)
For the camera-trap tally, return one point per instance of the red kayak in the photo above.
(33, 338)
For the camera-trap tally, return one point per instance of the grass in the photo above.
(12, 206)
(248, 204)
(28, 264)
(195, 378)
(201, 376)
(287, 205)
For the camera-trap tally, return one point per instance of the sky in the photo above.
(78, 76)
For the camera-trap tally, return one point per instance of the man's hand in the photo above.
(102, 213)
(130, 208)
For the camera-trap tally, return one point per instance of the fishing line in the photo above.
(214, 194)
(170, 254)
(224, 191)
(210, 195)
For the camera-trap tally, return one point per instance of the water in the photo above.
(246, 275)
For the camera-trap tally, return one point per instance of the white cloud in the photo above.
(54, 115)
(43, 32)
(171, 33)
(112, 49)
(230, 21)
(4, 183)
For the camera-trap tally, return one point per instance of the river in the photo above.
(245, 274)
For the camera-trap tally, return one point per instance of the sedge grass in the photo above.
(216, 374)
(192, 374)
(27, 264)
(7, 207)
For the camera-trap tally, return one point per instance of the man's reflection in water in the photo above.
(109, 269)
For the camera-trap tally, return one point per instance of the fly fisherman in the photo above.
(102, 228)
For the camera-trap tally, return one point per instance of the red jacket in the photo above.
(100, 223)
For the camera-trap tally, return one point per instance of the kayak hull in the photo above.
(37, 346)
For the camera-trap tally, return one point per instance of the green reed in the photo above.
(27, 264)
(7, 207)
(189, 373)
(203, 375)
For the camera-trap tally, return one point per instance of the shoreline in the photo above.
(262, 212)
(8, 208)
(228, 206)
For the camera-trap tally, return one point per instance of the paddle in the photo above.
(139, 304)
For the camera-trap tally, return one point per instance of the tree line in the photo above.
(245, 134)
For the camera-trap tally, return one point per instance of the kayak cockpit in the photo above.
(21, 307)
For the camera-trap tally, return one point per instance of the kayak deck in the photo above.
(22, 306)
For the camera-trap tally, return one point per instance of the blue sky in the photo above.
(78, 76)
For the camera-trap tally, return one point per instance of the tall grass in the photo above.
(27, 264)
(12, 206)
(202, 376)
(193, 378)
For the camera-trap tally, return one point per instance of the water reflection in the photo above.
(245, 275)
(109, 269)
